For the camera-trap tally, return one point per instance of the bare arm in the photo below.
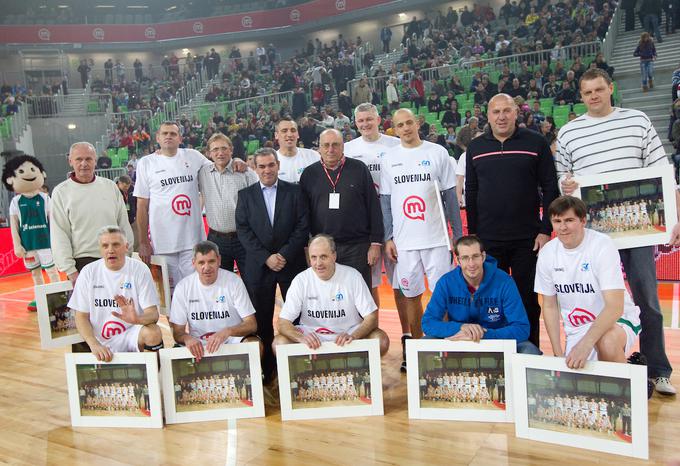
(369, 324)
(19, 250)
(86, 331)
(194, 345)
(551, 317)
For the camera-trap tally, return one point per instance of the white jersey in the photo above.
(171, 185)
(330, 306)
(208, 309)
(460, 165)
(408, 176)
(291, 168)
(578, 276)
(97, 286)
(372, 153)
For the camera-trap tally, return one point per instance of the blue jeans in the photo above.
(640, 269)
(651, 24)
(647, 71)
(526, 347)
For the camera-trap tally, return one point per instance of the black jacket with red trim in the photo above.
(506, 184)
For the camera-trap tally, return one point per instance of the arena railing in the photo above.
(13, 126)
(609, 41)
(514, 62)
(230, 107)
(45, 105)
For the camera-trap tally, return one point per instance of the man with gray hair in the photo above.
(81, 205)
(115, 300)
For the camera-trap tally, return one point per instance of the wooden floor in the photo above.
(35, 426)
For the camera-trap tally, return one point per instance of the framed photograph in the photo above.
(161, 277)
(57, 323)
(223, 385)
(602, 407)
(634, 207)
(332, 381)
(122, 393)
(460, 380)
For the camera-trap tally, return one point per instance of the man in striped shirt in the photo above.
(607, 139)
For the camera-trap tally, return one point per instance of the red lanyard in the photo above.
(337, 178)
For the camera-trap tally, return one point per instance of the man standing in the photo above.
(115, 301)
(219, 184)
(386, 37)
(168, 204)
(630, 142)
(581, 269)
(80, 207)
(479, 300)
(214, 303)
(342, 309)
(292, 159)
(505, 167)
(344, 204)
(272, 221)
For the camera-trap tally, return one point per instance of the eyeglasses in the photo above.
(466, 259)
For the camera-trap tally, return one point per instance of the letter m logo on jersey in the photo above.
(414, 208)
(578, 317)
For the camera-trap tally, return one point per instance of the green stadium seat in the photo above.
(122, 108)
(115, 160)
(560, 120)
(123, 155)
(580, 109)
(561, 110)
(253, 146)
(92, 106)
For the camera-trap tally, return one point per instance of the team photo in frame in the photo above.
(122, 393)
(634, 207)
(602, 407)
(56, 322)
(330, 382)
(224, 385)
(460, 380)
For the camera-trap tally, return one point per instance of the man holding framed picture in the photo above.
(479, 300)
(607, 139)
(580, 268)
(332, 301)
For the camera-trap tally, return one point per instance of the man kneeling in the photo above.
(116, 301)
(581, 268)
(479, 300)
(215, 304)
(332, 301)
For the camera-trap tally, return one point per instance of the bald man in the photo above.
(343, 203)
(506, 167)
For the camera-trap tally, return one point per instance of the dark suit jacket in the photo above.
(288, 236)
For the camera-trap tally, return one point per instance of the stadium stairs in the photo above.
(656, 102)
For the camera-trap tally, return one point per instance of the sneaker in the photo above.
(663, 386)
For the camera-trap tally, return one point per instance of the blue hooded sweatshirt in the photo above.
(496, 306)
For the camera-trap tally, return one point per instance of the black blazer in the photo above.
(288, 236)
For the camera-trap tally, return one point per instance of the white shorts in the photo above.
(574, 337)
(412, 267)
(37, 258)
(324, 334)
(126, 342)
(376, 271)
(179, 265)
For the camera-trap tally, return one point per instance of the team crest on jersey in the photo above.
(221, 299)
(339, 296)
(404, 283)
(585, 267)
(578, 317)
(424, 163)
(381, 155)
(126, 286)
(300, 170)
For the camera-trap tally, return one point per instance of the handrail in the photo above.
(610, 37)
(251, 104)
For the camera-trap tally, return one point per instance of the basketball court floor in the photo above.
(35, 425)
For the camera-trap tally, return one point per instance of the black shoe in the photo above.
(403, 366)
(640, 359)
(403, 351)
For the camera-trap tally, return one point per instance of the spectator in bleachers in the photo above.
(567, 95)
(452, 116)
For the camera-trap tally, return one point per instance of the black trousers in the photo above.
(231, 250)
(263, 297)
(355, 255)
(519, 258)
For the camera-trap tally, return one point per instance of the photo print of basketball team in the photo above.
(330, 380)
(113, 390)
(626, 209)
(62, 319)
(461, 380)
(593, 406)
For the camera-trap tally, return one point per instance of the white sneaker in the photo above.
(663, 386)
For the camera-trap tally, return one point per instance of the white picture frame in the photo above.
(605, 190)
(161, 278)
(616, 383)
(86, 376)
(490, 357)
(175, 360)
(360, 357)
(56, 322)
